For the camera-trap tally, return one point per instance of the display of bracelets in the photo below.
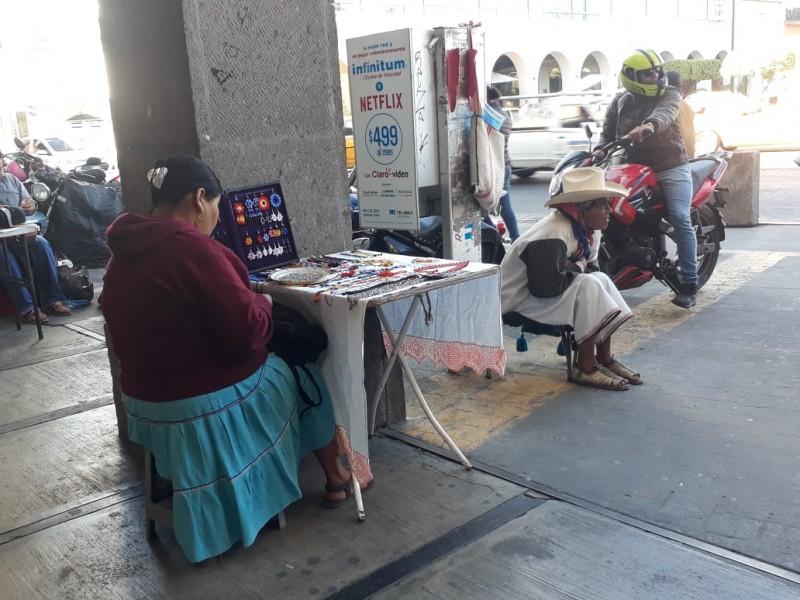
(383, 288)
(440, 269)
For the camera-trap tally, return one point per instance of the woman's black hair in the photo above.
(184, 174)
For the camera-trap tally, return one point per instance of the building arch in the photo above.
(695, 55)
(554, 70)
(666, 55)
(596, 73)
(507, 74)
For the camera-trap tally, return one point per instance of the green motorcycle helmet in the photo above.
(639, 63)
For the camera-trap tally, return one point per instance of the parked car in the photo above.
(730, 120)
(543, 131)
(55, 152)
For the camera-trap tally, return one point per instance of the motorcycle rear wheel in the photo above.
(706, 262)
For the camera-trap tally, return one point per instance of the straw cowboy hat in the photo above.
(583, 184)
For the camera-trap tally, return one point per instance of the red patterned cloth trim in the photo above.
(358, 462)
(453, 355)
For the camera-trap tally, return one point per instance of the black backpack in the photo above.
(75, 283)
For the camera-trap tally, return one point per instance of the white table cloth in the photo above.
(463, 329)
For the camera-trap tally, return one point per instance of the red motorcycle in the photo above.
(637, 245)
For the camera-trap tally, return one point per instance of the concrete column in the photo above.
(743, 179)
(249, 86)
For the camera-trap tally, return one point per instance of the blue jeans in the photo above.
(676, 185)
(45, 274)
(39, 218)
(506, 211)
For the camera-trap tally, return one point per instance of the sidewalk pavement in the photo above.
(684, 487)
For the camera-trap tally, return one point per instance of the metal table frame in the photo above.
(397, 339)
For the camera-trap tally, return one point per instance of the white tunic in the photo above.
(590, 302)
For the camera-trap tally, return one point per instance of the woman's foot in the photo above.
(336, 494)
(338, 477)
(59, 309)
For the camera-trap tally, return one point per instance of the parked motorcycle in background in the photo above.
(637, 246)
(427, 241)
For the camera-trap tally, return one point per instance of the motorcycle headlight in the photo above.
(40, 191)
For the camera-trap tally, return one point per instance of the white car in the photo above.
(543, 131)
(55, 152)
(731, 120)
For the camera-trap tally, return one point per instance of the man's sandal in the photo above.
(599, 379)
(617, 368)
(59, 309)
(30, 318)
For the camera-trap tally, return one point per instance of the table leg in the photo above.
(32, 287)
(387, 369)
(397, 342)
(28, 283)
(360, 514)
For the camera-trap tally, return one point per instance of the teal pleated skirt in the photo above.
(233, 455)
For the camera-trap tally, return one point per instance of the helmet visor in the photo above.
(649, 75)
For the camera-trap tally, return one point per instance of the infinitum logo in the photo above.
(378, 66)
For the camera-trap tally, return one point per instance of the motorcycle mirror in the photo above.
(18, 143)
(589, 134)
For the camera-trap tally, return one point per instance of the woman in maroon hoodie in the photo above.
(220, 418)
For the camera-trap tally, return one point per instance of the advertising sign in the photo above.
(394, 126)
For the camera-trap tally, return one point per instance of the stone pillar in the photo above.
(743, 179)
(249, 86)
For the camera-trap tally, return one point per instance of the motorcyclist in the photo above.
(647, 111)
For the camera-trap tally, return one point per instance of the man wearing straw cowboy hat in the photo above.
(551, 275)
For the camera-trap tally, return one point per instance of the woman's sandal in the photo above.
(617, 368)
(347, 488)
(599, 379)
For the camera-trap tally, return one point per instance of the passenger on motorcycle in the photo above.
(551, 275)
(647, 111)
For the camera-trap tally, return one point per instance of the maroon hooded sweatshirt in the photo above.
(178, 304)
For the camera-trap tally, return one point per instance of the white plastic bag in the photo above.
(487, 163)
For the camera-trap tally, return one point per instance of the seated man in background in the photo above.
(43, 262)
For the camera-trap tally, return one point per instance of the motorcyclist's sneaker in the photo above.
(686, 296)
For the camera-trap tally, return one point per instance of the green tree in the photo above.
(778, 65)
(692, 71)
